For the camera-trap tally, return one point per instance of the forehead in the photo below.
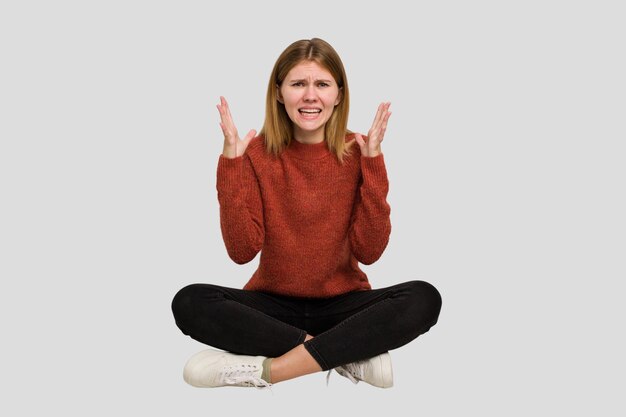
(309, 69)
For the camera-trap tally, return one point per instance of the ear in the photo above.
(339, 96)
(279, 95)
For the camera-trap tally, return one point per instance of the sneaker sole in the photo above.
(386, 371)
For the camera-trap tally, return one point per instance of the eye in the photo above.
(297, 84)
(323, 84)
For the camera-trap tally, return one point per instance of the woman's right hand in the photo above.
(233, 146)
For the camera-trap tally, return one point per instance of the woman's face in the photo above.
(310, 94)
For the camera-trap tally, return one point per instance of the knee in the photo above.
(425, 300)
(183, 301)
(194, 298)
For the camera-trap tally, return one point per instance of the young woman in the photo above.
(311, 196)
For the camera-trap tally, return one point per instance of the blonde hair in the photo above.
(278, 127)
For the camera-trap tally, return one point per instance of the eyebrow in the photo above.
(305, 80)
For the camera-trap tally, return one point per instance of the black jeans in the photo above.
(346, 328)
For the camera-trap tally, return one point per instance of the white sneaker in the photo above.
(211, 368)
(375, 371)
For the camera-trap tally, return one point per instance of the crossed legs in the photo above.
(348, 328)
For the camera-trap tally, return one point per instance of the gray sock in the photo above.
(267, 374)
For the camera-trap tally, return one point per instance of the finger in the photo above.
(384, 109)
(359, 139)
(225, 111)
(250, 135)
(384, 112)
(383, 126)
(224, 123)
(381, 136)
(222, 109)
(228, 135)
(222, 106)
(385, 116)
(227, 118)
(228, 129)
(380, 115)
(227, 107)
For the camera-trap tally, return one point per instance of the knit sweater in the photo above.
(312, 218)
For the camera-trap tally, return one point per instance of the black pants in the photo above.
(347, 328)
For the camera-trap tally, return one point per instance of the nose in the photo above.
(309, 93)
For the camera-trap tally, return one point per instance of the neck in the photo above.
(309, 137)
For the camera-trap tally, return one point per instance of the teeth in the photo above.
(310, 111)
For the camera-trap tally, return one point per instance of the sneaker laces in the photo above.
(353, 371)
(243, 375)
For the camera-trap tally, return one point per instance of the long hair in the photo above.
(278, 127)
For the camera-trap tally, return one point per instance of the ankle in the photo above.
(267, 370)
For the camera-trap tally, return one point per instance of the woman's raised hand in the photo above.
(233, 146)
(376, 134)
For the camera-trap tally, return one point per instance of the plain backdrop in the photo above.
(505, 154)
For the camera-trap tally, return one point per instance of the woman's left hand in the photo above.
(376, 134)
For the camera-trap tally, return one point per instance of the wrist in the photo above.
(373, 153)
(228, 152)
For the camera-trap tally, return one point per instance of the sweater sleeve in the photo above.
(371, 225)
(241, 208)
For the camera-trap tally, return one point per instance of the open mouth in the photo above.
(308, 112)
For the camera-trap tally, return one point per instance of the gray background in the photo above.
(505, 158)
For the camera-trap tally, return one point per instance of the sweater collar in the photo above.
(308, 151)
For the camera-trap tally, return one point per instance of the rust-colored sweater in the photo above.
(312, 218)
